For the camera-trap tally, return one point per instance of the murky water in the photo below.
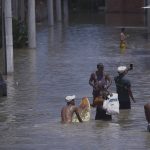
(61, 65)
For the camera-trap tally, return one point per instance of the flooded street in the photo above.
(61, 65)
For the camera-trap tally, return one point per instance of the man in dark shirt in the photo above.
(123, 87)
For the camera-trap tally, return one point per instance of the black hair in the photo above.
(100, 65)
(122, 29)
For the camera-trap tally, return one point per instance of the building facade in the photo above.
(125, 6)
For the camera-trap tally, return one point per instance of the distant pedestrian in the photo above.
(123, 37)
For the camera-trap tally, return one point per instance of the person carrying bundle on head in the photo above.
(123, 87)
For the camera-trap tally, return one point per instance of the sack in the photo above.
(111, 105)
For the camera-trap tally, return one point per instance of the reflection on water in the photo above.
(126, 19)
(61, 65)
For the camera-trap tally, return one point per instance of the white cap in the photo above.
(70, 98)
(121, 69)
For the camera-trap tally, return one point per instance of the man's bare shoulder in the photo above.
(63, 108)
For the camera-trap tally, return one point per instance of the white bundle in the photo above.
(111, 105)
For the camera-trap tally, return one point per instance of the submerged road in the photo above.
(61, 65)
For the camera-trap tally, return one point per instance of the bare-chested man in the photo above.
(147, 114)
(68, 110)
(100, 81)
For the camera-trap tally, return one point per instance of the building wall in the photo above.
(125, 6)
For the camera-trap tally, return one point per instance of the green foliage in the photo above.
(19, 34)
(1, 32)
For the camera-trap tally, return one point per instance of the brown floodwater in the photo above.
(61, 65)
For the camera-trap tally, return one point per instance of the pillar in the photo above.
(50, 12)
(58, 10)
(31, 24)
(8, 35)
(148, 17)
(22, 10)
(65, 10)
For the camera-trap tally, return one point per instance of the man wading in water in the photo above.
(68, 110)
(100, 81)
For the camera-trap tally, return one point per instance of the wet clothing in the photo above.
(100, 82)
(122, 87)
(122, 45)
(101, 114)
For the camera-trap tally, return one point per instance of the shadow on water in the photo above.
(66, 55)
